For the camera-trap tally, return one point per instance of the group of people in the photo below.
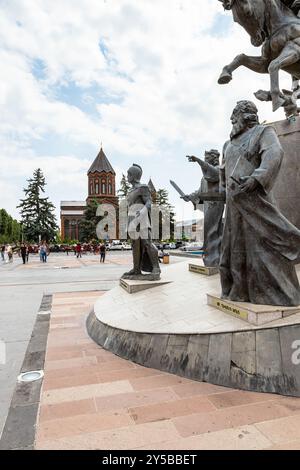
(102, 251)
(7, 253)
(43, 252)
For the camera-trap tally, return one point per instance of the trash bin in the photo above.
(166, 259)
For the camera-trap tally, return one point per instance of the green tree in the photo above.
(38, 219)
(162, 200)
(88, 224)
(58, 239)
(124, 187)
(10, 229)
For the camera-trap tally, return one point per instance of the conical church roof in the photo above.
(151, 186)
(101, 164)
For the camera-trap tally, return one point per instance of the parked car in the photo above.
(194, 246)
(116, 246)
(169, 246)
(172, 246)
(179, 244)
(127, 246)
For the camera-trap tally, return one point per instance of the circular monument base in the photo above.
(171, 328)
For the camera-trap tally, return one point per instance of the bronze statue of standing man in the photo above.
(260, 247)
(213, 209)
(145, 254)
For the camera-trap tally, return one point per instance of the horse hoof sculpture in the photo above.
(225, 77)
(273, 25)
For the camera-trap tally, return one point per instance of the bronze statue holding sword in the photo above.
(213, 201)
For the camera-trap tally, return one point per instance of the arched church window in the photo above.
(97, 187)
(66, 228)
(103, 187)
(73, 229)
(109, 188)
(91, 187)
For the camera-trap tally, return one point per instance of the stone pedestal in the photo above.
(204, 270)
(137, 286)
(251, 313)
(171, 328)
(287, 186)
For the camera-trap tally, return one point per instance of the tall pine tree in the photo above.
(89, 222)
(162, 200)
(124, 187)
(38, 219)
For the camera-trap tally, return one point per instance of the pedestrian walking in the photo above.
(78, 250)
(10, 254)
(23, 252)
(27, 253)
(43, 252)
(3, 253)
(102, 253)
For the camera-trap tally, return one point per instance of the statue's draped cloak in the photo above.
(213, 213)
(260, 246)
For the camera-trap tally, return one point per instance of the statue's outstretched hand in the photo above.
(248, 185)
(192, 158)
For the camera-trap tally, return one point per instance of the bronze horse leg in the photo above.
(257, 64)
(289, 56)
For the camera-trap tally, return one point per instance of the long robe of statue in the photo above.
(260, 246)
(213, 210)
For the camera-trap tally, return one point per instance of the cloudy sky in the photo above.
(138, 75)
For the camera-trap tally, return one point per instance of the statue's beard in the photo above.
(237, 129)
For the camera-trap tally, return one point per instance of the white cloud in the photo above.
(154, 87)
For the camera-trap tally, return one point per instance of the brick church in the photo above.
(101, 187)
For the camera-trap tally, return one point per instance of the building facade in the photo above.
(101, 187)
(71, 213)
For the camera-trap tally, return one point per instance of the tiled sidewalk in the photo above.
(71, 261)
(92, 399)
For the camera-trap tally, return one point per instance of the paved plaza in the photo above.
(92, 399)
(22, 288)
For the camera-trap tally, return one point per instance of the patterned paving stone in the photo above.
(92, 399)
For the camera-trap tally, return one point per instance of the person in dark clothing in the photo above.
(78, 250)
(23, 252)
(102, 253)
(3, 252)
